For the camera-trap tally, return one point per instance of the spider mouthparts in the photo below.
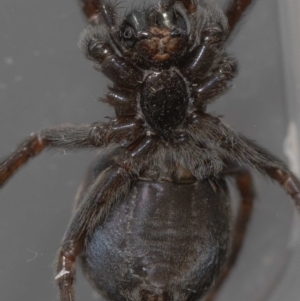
(161, 56)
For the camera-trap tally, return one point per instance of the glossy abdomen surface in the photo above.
(165, 241)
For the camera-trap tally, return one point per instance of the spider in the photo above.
(183, 155)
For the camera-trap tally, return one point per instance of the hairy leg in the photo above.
(70, 137)
(276, 170)
(111, 185)
(237, 148)
(245, 186)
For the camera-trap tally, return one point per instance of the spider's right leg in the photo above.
(94, 10)
(245, 186)
(110, 186)
(235, 12)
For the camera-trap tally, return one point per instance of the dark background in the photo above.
(45, 80)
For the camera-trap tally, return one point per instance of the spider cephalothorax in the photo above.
(153, 221)
(174, 58)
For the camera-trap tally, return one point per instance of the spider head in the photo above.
(154, 37)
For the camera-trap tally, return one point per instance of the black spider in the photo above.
(168, 234)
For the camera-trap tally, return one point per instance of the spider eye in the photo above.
(128, 33)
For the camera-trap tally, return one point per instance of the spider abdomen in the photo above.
(164, 239)
(164, 100)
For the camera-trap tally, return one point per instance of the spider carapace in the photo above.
(153, 218)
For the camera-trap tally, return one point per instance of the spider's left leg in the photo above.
(245, 186)
(71, 137)
(111, 185)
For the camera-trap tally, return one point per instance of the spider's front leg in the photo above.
(235, 11)
(90, 9)
(119, 130)
(96, 11)
(244, 183)
(110, 186)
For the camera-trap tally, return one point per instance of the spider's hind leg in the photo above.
(110, 186)
(246, 190)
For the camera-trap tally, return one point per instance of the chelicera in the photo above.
(153, 219)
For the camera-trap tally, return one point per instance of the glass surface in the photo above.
(45, 80)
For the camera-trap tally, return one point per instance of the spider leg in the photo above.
(234, 147)
(90, 9)
(215, 84)
(119, 130)
(235, 11)
(110, 186)
(121, 72)
(289, 182)
(245, 186)
(199, 60)
(267, 163)
(94, 10)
